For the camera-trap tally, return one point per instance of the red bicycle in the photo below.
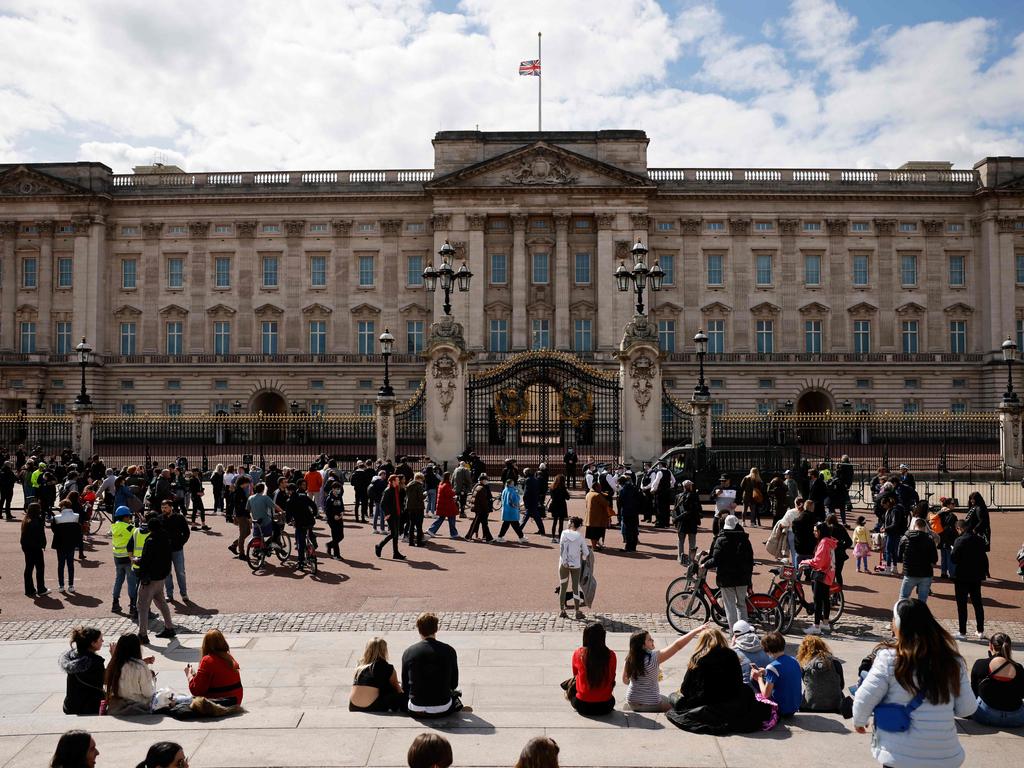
(788, 590)
(702, 602)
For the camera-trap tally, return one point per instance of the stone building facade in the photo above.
(890, 289)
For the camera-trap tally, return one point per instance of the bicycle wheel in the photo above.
(788, 609)
(837, 604)
(679, 584)
(255, 554)
(96, 522)
(284, 551)
(685, 607)
(311, 562)
(764, 613)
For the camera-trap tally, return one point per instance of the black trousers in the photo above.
(415, 529)
(964, 590)
(557, 525)
(337, 534)
(362, 506)
(5, 501)
(822, 594)
(198, 506)
(394, 532)
(479, 524)
(514, 525)
(34, 562)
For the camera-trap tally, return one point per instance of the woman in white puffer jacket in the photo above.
(926, 660)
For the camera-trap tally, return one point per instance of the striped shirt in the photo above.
(643, 691)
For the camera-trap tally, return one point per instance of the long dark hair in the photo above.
(71, 750)
(976, 500)
(1002, 645)
(128, 647)
(539, 752)
(32, 512)
(161, 755)
(83, 638)
(595, 654)
(927, 658)
(637, 656)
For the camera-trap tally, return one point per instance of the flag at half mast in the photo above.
(531, 67)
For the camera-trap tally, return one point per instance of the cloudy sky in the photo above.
(340, 84)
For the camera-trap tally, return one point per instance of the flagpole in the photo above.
(539, 77)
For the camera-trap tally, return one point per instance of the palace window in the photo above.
(271, 229)
(909, 336)
(497, 336)
(129, 273)
(715, 272)
(414, 271)
(860, 226)
(174, 337)
(174, 383)
(908, 269)
(318, 271)
(958, 336)
(666, 226)
(667, 336)
(222, 272)
(316, 384)
(860, 270)
(415, 226)
(954, 227)
(177, 229)
(812, 336)
(220, 384)
(317, 337)
(1020, 334)
(365, 337)
(812, 226)
(317, 229)
(583, 337)
(667, 262)
(28, 338)
(1020, 268)
(716, 226)
(716, 337)
(812, 269)
(222, 229)
(127, 409)
(175, 273)
(29, 273)
(127, 384)
(58, 409)
(174, 409)
(222, 337)
(582, 269)
(366, 409)
(540, 338)
(65, 272)
(956, 270)
(763, 226)
(63, 346)
(414, 334)
(718, 408)
(366, 271)
(863, 383)
(541, 271)
(908, 226)
(128, 336)
(268, 337)
(765, 337)
(862, 336)
(499, 269)
(270, 271)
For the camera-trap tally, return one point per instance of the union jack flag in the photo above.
(531, 67)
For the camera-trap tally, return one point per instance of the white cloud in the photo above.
(366, 83)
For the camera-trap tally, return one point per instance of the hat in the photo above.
(360, 463)
(122, 511)
(904, 466)
(742, 627)
(723, 477)
(787, 472)
(731, 522)
(482, 477)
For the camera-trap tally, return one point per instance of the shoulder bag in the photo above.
(895, 718)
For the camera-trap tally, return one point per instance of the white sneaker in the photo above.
(71, 589)
(62, 590)
(960, 636)
(500, 539)
(814, 629)
(981, 635)
(523, 539)
(554, 541)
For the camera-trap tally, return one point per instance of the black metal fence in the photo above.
(410, 426)
(676, 421)
(44, 434)
(229, 439)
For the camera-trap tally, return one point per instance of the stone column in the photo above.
(95, 287)
(520, 273)
(741, 272)
(80, 277)
(886, 278)
(445, 396)
(341, 338)
(701, 423)
(936, 276)
(1003, 301)
(477, 286)
(836, 273)
(390, 256)
(9, 285)
(606, 290)
(563, 279)
(199, 267)
(149, 273)
(246, 272)
(691, 273)
(1011, 455)
(44, 341)
(640, 403)
(82, 429)
(295, 279)
(386, 426)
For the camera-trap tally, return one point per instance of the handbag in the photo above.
(757, 496)
(817, 576)
(895, 718)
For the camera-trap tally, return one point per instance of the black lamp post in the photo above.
(236, 407)
(1009, 355)
(641, 276)
(387, 343)
(294, 405)
(701, 392)
(847, 406)
(447, 276)
(789, 406)
(83, 350)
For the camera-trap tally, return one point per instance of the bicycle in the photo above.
(259, 547)
(95, 514)
(702, 603)
(789, 592)
(683, 583)
(310, 563)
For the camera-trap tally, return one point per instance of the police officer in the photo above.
(120, 534)
(135, 544)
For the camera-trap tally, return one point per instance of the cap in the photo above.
(742, 627)
(904, 466)
(787, 472)
(723, 477)
(482, 477)
(122, 511)
(360, 463)
(731, 522)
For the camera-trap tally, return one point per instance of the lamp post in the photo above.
(387, 343)
(701, 392)
(1009, 355)
(236, 407)
(789, 406)
(83, 350)
(847, 406)
(294, 405)
(641, 276)
(447, 277)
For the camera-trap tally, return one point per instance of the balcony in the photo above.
(268, 182)
(836, 180)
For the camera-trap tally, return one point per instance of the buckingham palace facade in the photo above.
(875, 289)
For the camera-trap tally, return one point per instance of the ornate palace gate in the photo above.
(535, 405)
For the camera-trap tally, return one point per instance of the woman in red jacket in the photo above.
(447, 507)
(823, 573)
(217, 677)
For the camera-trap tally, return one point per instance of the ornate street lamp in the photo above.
(446, 276)
(294, 405)
(847, 406)
(83, 350)
(1009, 355)
(789, 406)
(236, 407)
(387, 343)
(640, 275)
(701, 392)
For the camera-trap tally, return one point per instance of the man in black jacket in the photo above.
(629, 512)
(360, 480)
(971, 563)
(392, 504)
(733, 559)
(177, 532)
(430, 673)
(818, 494)
(894, 525)
(301, 512)
(154, 566)
(918, 554)
(686, 517)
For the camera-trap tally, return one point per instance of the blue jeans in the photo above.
(65, 557)
(892, 550)
(431, 500)
(791, 541)
(378, 516)
(177, 569)
(999, 718)
(922, 584)
(437, 525)
(123, 572)
(948, 566)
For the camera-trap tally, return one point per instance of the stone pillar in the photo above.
(81, 429)
(1011, 456)
(885, 276)
(386, 426)
(741, 272)
(8, 285)
(44, 276)
(701, 423)
(196, 340)
(519, 277)
(640, 403)
(478, 285)
(445, 396)
(836, 273)
(391, 257)
(563, 278)
(341, 337)
(689, 273)
(605, 283)
(295, 276)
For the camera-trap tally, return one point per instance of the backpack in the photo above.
(823, 691)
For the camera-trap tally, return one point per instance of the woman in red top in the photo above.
(593, 671)
(217, 677)
(447, 508)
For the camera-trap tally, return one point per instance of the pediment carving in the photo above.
(127, 309)
(959, 308)
(268, 309)
(814, 308)
(365, 309)
(173, 309)
(910, 308)
(220, 309)
(414, 308)
(497, 307)
(765, 308)
(24, 181)
(316, 308)
(862, 308)
(540, 165)
(668, 307)
(582, 306)
(716, 308)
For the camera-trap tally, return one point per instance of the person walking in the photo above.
(154, 567)
(924, 672)
(360, 479)
(558, 507)
(217, 488)
(532, 501)
(571, 461)
(837, 531)
(302, 512)
(447, 508)
(462, 484)
(431, 479)
(978, 518)
(629, 512)
(970, 558)
(177, 532)
(120, 536)
(33, 545)
(240, 514)
(510, 512)
(393, 503)
(195, 494)
(918, 554)
(481, 506)
(334, 511)
(597, 516)
(374, 493)
(943, 525)
(732, 557)
(894, 525)
(67, 534)
(572, 552)
(7, 482)
(415, 509)
(686, 517)
(752, 496)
